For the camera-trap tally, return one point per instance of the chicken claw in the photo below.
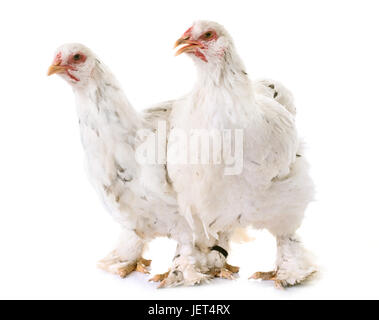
(271, 275)
(160, 277)
(264, 275)
(142, 265)
(125, 271)
(114, 264)
(139, 266)
(232, 269)
(226, 272)
(176, 278)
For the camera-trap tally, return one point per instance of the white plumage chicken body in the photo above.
(270, 147)
(108, 129)
(137, 195)
(274, 187)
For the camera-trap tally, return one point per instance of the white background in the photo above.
(53, 227)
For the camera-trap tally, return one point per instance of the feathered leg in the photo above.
(195, 264)
(187, 268)
(127, 257)
(293, 264)
(217, 265)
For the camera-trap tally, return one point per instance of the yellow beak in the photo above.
(191, 45)
(55, 69)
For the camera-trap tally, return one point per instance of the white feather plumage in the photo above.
(274, 188)
(138, 196)
(202, 207)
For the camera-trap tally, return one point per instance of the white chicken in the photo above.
(138, 196)
(273, 188)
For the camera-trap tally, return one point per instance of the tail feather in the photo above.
(278, 92)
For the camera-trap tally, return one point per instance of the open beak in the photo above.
(189, 45)
(55, 68)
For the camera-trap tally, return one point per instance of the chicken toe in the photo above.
(114, 264)
(160, 277)
(264, 275)
(142, 265)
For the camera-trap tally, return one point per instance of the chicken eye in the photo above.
(207, 35)
(77, 58)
